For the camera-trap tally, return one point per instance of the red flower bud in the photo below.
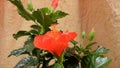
(54, 3)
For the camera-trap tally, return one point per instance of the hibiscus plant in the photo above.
(47, 47)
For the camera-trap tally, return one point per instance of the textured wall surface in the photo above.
(1, 16)
(102, 15)
(12, 22)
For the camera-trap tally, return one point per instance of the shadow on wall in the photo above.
(98, 14)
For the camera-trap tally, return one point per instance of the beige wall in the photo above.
(103, 15)
(1, 16)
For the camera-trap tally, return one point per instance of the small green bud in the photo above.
(29, 6)
(91, 35)
(83, 35)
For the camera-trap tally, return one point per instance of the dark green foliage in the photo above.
(102, 61)
(36, 27)
(42, 18)
(17, 52)
(89, 45)
(71, 62)
(102, 50)
(29, 45)
(21, 10)
(57, 65)
(46, 17)
(34, 32)
(27, 49)
(26, 62)
(91, 58)
(20, 34)
(96, 59)
(58, 14)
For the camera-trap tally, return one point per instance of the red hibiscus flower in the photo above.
(54, 41)
(54, 3)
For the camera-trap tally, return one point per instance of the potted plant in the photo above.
(46, 43)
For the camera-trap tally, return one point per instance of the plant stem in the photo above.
(38, 65)
(61, 59)
(42, 30)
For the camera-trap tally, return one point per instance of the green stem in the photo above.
(38, 65)
(42, 30)
(82, 43)
(36, 22)
(61, 59)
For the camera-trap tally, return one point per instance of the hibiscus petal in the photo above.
(67, 36)
(54, 42)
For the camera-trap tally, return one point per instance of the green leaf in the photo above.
(39, 16)
(20, 34)
(26, 15)
(94, 60)
(34, 32)
(47, 11)
(21, 10)
(71, 62)
(58, 14)
(88, 46)
(74, 42)
(89, 61)
(17, 52)
(85, 61)
(43, 18)
(102, 50)
(26, 62)
(102, 61)
(29, 46)
(42, 15)
(37, 52)
(17, 3)
(57, 65)
(77, 48)
(36, 27)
